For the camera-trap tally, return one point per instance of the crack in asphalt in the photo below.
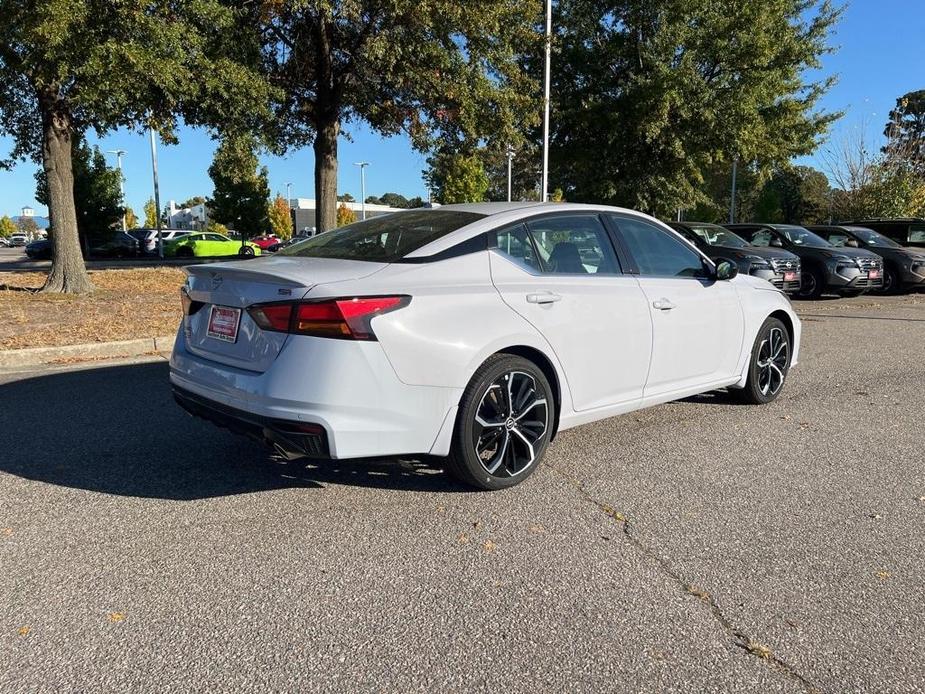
(739, 637)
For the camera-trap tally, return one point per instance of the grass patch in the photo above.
(127, 304)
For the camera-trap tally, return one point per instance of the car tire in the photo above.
(184, 252)
(891, 283)
(495, 445)
(811, 283)
(768, 365)
(246, 252)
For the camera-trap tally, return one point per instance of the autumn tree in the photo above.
(280, 217)
(150, 210)
(68, 66)
(7, 227)
(905, 132)
(345, 215)
(439, 70)
(649, 96)
(242, 191)
(131, 219)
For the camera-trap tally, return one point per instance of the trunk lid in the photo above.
(239, 284)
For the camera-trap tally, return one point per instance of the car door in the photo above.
(697, 322)
(561, 273)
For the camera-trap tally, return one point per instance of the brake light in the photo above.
(344, 319)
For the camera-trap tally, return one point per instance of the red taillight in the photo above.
(345, 319)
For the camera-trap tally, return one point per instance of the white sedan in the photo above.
(472, 332)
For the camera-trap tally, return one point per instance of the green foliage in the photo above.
(395, 200)
(192, 202)
(456, 178)
(890, 191)
(440, 71)
(97, 194)
(280, 218)
(27, 226)
(242, 191)
(216, 228)
(7, 227)
(345, 215)
(648, 97)
(905, 132)
(345, 197)
(131, 219)
(794, 195)
(150, 214)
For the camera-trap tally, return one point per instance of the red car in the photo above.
(264, 241)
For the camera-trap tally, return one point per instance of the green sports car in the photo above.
(208, 245)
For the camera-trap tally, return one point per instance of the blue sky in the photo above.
(878, 58)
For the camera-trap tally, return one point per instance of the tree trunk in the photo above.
(325, 147)
(68, 273)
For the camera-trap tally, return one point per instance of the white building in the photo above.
(193, 218)
(303, 211)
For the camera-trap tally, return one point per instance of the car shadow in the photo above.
(713, 397)
(116, 430)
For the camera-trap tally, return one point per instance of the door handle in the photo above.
(544, 298)
(662, 304)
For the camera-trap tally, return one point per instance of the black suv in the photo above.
(906, 232)
(903, 268)
(779, 267)
(845, 271)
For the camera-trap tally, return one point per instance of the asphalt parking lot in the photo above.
(697, 546)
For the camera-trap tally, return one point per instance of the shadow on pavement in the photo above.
(116, 430)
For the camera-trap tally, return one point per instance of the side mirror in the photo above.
(776, 242)
(726, 270)
(852, 243)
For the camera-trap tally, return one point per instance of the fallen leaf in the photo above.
(24, 630)
(874, 516)
(7, 531)
(537, 528)
(462, 539)
(883, 575)
(489, 546)
(758, 649)
(476, 524)
(116, 616)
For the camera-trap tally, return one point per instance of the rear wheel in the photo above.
(768, 365)
(503, 424)
(246, 252)
(184, 252)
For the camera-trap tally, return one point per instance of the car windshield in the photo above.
(384, 239)
(715, 235)
(872, 238)
(799, 236)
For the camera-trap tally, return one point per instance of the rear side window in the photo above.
(516, 245)
(656, 252)
(384, 239)
(574, 245)
(916, 233)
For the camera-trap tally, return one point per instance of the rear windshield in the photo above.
(385, 239)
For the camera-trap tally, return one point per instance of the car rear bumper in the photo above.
(347, 388)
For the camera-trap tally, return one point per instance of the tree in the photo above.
(7, 227)
(345, 197)
(345, 215)
(131, 219)
(242, 190)
(192, 202)
(431, 69)
(905, 132)
(395, 200)
(67, 66)
(373, 200)
(27, 226)
(649, 96)
(216, 228)
(97, 193)
(794, 195)
(150, 209)
(456, 177)
(280, 218)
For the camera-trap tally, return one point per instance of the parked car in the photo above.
(121, 245)
(39, 250)
(844, 271)
(18, 240)
(908, 231)
(903, 268)
(208, 244)
(4, 242)
(779, 267)
(264, 241)
(283, 244)
(148, 238)
(474, 332)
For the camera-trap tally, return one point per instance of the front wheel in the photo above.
(246, 252)
(811, 284)
(768, 366)
(503, 425)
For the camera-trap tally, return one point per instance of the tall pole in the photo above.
(362, 165)
(289, 207)
(510, 156)
(157, 196)
(732, 199)
(545, 191)
(119, 153)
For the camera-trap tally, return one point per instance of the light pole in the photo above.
(362, 165)
(157, 195)
(289, 207)
(545, 190)
(119, 153)
(732, 200)
(510, 156)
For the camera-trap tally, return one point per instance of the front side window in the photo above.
(759, 237)
(838, 239)
(574, 245)
(717, 236)
(656, 252)
(383, 239)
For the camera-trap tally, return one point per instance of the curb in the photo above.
(36, 356)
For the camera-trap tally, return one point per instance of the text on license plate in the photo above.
(223, 323)
(790, 276)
